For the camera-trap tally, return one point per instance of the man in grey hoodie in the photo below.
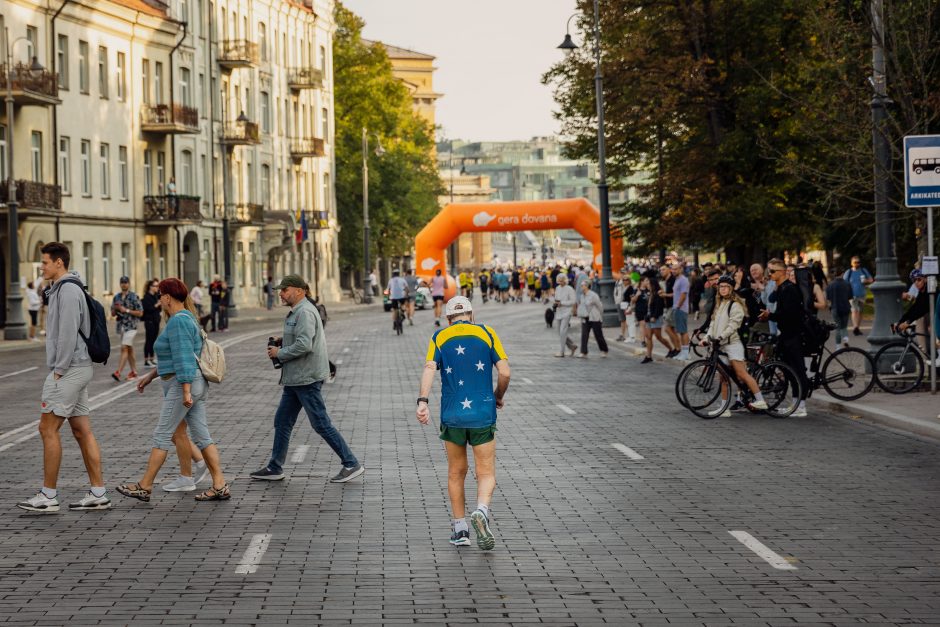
(65, 391)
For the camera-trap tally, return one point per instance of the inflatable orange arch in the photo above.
(538, 215)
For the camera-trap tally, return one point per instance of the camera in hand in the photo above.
(274, 360)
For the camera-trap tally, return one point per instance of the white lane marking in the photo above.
(10, 374)
(355, 339)
(346, 350)
(338, 362)
(762, 550)
(253, 554)
(113, 394)
(565, 409)
(299, 453)
(629, 452)
(236, 340)
(527, 380)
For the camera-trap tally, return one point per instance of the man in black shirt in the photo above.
(789, 318)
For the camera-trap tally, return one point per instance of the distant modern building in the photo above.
(530, 170)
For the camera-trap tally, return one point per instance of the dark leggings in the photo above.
(152, 329)
(597, 327)
(790, 352)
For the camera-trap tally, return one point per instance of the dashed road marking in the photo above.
(565, 409)
(527, 380)
(299, 453)
(253, 554)
(10, 374)
(762, 550)
(338, 362)
(346, 350)
(629, 452)
(355, 339)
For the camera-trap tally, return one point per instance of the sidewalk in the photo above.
(915, 412)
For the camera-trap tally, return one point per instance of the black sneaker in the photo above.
(646, 360)
(347, 474)
(460, 538)
(266, 474)
(856, 331)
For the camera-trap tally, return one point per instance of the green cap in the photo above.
(292, 280)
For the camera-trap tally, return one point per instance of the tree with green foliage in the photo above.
(404, 183)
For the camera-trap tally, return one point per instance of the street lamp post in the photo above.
(887, 286)
(367, 275)
(607, 279)
(15, 328)
(228, 153)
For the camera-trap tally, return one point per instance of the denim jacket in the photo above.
(303, 348)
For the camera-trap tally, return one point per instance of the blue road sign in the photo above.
(922, 170)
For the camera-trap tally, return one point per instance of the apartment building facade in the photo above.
(164, 125)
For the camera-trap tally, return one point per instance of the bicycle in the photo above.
(398, 318)
(705, 382)
(847, 373)
(356, 295)
(758, 351)
(900, 364)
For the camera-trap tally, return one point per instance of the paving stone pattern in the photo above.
(585, 535)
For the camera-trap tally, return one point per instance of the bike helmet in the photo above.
(916, 274)
(726, 278)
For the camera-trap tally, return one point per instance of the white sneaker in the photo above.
(90, 501)
(40, 503)
(720, 414)
(559, 354)
(180, 484)
(759, 405)
(683, 355)
(799, 413)
(200, 471)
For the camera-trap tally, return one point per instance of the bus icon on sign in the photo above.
(921, 165)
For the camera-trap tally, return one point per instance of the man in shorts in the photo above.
(859, 278)
(465, 354)
(397, 293)
(438, 285)
(412, 282)
(680, 310)
(65, 391)
(126, 307)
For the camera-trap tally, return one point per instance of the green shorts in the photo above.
(473, 437)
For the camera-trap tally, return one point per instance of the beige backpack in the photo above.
(211, 360)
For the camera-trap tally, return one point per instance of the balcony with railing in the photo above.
(235, 53)
(304, 78)
(301, 147)
(248, 213)
(241, 132)
(171, 208)
(169, 119)
(33, 197)
(32, 86)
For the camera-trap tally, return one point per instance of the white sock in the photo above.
(49, 493)
(98, 491)
(483, 508)
(460, 524)
(759, 397)
(802, 406)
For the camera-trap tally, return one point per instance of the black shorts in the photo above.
(398, 302)
(33, 316)
(438, 299)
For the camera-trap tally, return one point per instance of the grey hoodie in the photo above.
(67, 314)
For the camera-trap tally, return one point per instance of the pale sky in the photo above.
(490, 57)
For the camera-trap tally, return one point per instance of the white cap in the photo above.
(458, 305)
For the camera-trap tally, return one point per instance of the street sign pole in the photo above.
(932, 299)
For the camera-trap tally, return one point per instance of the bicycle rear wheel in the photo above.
(848, 373)
(780, 387)
(898, 367)
(701, 388)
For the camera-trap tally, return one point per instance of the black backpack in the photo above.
(98, 340)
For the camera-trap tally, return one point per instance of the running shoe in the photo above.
(759, 405)
(116, 375)
(40, 503)
(460, 538)
(799, 413)
(718, 413)
(347, 474)
(266, 474)
(180, 484)
(131, 375)
(200, 471)
(646, 360)
(89, 502)
(481, 525)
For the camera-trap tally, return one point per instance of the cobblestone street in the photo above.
(747, 520)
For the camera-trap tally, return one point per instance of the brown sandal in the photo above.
(134, 491)
(215, 494)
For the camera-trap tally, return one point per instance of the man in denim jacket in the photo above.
(305, 365)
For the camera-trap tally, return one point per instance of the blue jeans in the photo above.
(173, 411)
(308, 397)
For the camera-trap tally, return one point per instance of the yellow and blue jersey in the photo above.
(465, 354)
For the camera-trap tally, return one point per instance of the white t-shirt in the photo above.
(196, 295)
(32, 299)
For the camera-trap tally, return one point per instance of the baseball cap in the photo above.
(458, 305)
(124, 279)
(292, 280)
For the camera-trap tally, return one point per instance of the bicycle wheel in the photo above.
(679, 396)
(357, 296)
(780, 387)
(695, 343)
(899, 368)
(848, 373)
(701, 388)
